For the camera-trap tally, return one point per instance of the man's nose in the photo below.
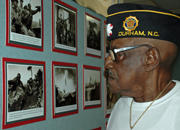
(108, 63)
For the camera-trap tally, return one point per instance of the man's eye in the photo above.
(119, 56)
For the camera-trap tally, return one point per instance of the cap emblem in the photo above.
(130, 23)
(109, 29)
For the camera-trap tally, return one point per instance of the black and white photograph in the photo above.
(64, 27)
(65, 89)
(93, 35)
(25, 90)
(92, 87)
(25, 23)
(110, 97)
(65, 86)
(107, 43)
(25, 87)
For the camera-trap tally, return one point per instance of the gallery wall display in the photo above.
(91, 87)
(24, 90)
(64, 89)
(110, 98)
(24, 79)
(25, 26)
(93, 36)
(106, 42)
(64, 28)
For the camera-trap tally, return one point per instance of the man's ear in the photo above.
(152, 59)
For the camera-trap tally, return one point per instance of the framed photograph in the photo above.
(64, 88)
(93, 36)
(24, 92)
(24, 28)
(64, 28)
(99, 128)
(110, 98)
(91, 87)
(106, 42)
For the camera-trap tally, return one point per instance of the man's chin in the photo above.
(112, 89)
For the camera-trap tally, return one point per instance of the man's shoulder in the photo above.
(177, 82)
(177, 85)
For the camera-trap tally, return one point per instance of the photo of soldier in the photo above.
(93, 27)
(15, 17)
(22, 18)
(21, 5)
(14, 83)
(65, 26)
(25, 91)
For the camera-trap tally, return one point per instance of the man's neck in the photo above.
(152, 94)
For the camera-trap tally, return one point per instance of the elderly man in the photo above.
(144, 43)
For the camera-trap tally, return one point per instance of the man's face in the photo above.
(18, 76)
(29, 5)
(60, 13)
(126, 72)
(21, 3)
(15, 3)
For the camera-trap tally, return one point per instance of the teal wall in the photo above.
(85, 119)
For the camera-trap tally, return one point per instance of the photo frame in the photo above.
(64, 28)
(24, 90)
(25, 24)
(110, 98)
(106, 42)
(91, 87)
(64, 89)
(99, 128)
(93, 36)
